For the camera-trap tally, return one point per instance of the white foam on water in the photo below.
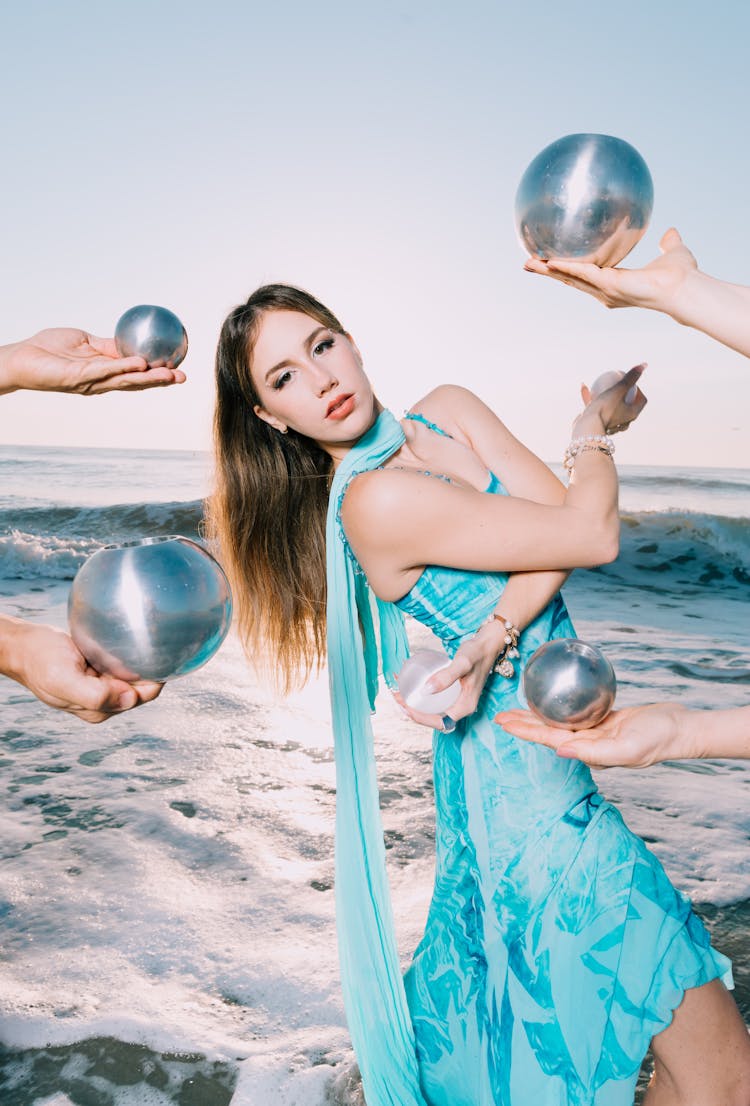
(167, 878)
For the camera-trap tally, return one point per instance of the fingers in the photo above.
(148, 690)
(107, 346)
(105, 368)
(136, 381)
(595, 750)
(444, 677)
(536, 265)
(523, 724)
(96, 698)
(632, 376)
(670, 240)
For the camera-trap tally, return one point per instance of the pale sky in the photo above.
(183, 153)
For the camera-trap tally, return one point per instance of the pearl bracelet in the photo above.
(601, 443)
(502, 665)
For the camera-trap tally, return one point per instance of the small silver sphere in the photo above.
(586, 197)
(570, 684)
(149, 609)
(415, 673)
(153, 333)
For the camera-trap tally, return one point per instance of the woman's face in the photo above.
(310, 379)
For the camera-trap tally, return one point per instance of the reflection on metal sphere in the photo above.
(153, 333)
(149, 609)
(586, 197)
(570, 684)
(415, 673)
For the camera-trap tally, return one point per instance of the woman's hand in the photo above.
(655, 286)
(67, 360)
(609, 411)
(471, 665)
(48, 662)
(634, 737)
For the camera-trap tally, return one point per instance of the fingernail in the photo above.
(567, 752)
(127, 700)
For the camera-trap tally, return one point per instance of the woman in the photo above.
(555, 947)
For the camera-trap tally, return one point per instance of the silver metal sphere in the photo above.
(153, 333)
(415, 673)
(586, 197)
(570, 684)
(149, 609)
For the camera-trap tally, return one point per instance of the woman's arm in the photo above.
(475, 425)
(67, 360)
(639, 736)
(398, 522)
(470, 421)
(48, 663)
(672, 284)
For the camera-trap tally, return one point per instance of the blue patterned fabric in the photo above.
(555, 945)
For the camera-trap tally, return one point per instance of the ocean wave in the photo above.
(658, 548)
(677, 549)
(732, 481)
(121, 522)
(53, 542)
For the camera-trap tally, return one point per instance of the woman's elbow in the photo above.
(609, 543)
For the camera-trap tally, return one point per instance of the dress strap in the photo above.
(416, 417)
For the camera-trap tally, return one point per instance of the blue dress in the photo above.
(555, 946)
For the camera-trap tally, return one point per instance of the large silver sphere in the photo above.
(415, 673)
(149, 609)
(570, 684)
(153, 333)
(586, 197)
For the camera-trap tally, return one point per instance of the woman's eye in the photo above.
(322, 346)
(282, 379)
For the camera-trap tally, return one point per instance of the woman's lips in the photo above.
(341, 408)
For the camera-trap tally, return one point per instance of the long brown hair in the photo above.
(268, 511)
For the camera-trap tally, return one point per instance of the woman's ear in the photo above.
(272, 421)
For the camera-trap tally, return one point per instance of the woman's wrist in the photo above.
(588, 422)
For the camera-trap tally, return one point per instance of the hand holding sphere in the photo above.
(413, 677)
(608, 380)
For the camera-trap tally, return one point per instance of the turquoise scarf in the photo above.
(374, 996)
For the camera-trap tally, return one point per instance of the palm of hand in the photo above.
(654, 286)
(62, 359)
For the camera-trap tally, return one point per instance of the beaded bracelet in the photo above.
(602, 443)
(502, 665)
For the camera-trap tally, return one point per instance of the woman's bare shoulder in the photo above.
(451, 407)
(442, 399)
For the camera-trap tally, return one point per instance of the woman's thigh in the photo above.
(703, 1057)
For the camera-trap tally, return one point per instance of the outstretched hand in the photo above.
(66, 360)
(654, 286)
(635, 737)
(48, 662)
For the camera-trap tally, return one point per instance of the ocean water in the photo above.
(166, 905)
